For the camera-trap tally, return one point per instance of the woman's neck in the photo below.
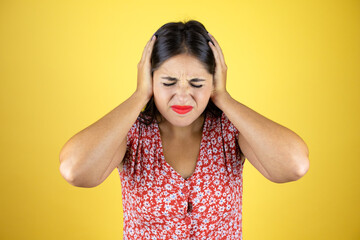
(176, 132)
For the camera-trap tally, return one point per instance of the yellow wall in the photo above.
(65, 64)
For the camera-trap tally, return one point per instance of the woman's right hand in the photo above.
(144, 78)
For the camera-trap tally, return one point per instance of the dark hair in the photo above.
(174, 38)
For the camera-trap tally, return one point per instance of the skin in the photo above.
(183, 91)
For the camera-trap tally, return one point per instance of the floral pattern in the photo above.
(160, 204)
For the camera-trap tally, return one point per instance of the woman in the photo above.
(181, 158)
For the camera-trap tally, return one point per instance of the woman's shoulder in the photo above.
(142, 127)
(219, 119)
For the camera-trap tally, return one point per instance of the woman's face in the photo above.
(189, 84)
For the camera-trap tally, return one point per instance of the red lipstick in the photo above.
(181, 109)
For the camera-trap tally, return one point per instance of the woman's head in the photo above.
(182, 57)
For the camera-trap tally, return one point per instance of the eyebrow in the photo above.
(175, 79)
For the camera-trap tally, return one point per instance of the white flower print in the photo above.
(155, 198)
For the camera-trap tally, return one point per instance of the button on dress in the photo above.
(158, 203)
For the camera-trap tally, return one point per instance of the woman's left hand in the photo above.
(220, 71)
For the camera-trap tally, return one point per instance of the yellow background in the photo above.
(65, 64)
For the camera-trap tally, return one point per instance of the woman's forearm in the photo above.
(280, 151)
(87, 154)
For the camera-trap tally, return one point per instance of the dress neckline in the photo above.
(197, 160)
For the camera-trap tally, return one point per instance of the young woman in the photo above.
(180, 158)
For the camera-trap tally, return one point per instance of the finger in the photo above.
(143, 57)
(149, 49)
(216, 53)
(219, 50)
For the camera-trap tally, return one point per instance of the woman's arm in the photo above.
(87, 155)
(269, 146)
(92, 154)
(276, 151)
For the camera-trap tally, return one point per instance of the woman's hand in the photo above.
(144, 78)
(220, 71)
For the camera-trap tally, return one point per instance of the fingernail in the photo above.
(209, 34)
(153, 37)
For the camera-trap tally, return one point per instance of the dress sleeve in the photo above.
(133, 133)
(232, 134)
(229, 127)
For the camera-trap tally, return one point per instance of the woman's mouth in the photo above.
(181, 109)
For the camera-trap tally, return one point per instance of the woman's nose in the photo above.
(183, 87)
(183, 91)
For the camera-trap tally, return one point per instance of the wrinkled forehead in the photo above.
(183, 66)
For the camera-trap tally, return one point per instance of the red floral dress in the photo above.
(158, 203)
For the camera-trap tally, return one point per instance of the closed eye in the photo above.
(167, 84)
